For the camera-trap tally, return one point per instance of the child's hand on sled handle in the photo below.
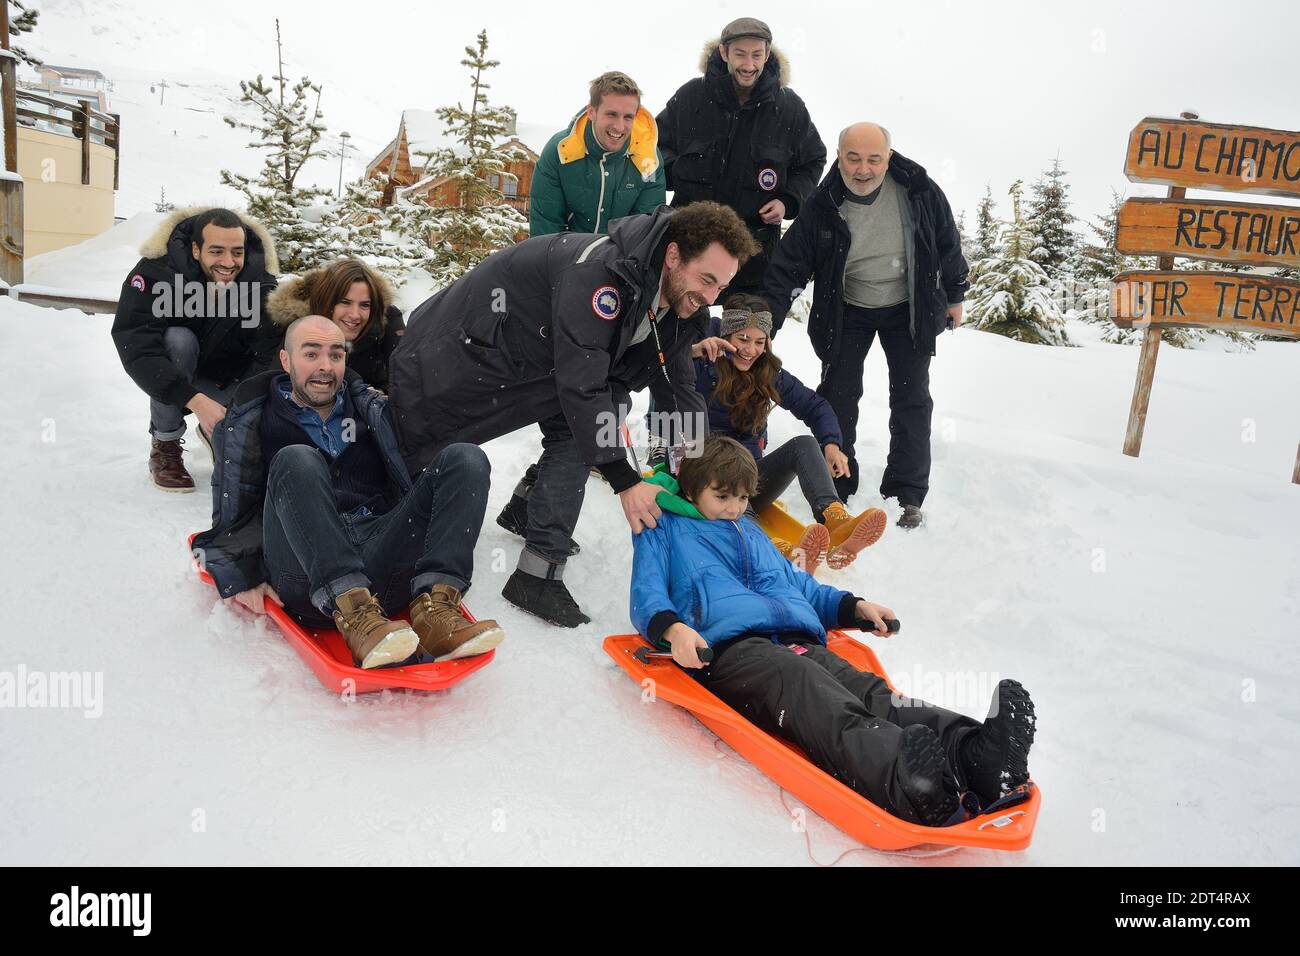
(255, 598)
(686, 642)
(876, 615)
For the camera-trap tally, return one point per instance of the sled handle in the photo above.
(644, 654)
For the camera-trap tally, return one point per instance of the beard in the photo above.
(307, 399)
(683, 303)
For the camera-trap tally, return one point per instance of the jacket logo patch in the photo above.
(767, 178)
(137, 282)
(605, 302)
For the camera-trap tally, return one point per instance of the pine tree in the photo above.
(1012, 295)
(480, 221)
(1049, 214)
(24, 22)
(985, 244)
(361, 224)
(289, 128)
(162, 205)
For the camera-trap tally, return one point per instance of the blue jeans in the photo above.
(167, 422)
(313, 554)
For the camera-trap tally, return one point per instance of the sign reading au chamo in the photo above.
(1214, 156)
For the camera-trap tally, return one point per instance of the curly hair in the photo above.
(749, 396)
(697, 226)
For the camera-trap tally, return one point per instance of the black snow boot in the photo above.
(514, 518)
(995, 758)
(548, 599)
(922, 777)
(911, 517)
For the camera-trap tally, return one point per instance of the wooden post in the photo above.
(117, 146)
(11, 231)
(9, 73)
(1137, 413)
(84, 115)
(1295, 475)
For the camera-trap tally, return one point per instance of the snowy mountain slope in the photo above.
(1137, 654)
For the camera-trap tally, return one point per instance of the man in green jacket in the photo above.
(605, 165)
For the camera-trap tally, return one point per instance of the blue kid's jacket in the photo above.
(725, 579)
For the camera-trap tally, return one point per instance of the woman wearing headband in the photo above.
(742, 381)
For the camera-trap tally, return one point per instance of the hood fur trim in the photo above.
(783, 65)
(156, 245)
(289, 300)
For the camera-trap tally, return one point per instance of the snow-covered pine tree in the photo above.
(479, 221)
(289, 128)
(361, 224)
(24, 22)
(1049, 216)
(1012, 295)
(162, 205)
(985, 243)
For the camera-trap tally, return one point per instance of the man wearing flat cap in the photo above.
(740, 136)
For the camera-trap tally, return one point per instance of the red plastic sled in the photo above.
(1010, 829)
(330, 660)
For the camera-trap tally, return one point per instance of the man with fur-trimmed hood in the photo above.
(188, 322)
(740, 136)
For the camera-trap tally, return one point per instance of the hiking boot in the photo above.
(373, 639)
(514, 518)
(911, 517)
(444, 633)
(920, 774)
(807, 554)
(994, 759)
(166, 467)
(548, 599)
(851, 533)
(656, 453)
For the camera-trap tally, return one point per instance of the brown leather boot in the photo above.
(444, 633)
(166, 467)
(807, 554)
(373, 639)
(851, 533)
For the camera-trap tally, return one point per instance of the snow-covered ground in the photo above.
(1150, 605)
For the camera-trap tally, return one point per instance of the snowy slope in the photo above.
(549, 755)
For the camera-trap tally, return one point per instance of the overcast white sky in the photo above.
(976, 92)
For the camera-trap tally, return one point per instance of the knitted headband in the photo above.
(733, 320)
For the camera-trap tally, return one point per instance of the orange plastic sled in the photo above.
(1009, 829)
(330, 660)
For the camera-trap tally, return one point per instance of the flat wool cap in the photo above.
(746, 27)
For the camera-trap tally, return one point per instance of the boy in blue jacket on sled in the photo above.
(707, 576)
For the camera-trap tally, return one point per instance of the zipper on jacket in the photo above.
(744, 551)
(600, 203)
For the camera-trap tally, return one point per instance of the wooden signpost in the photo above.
(1186, 153)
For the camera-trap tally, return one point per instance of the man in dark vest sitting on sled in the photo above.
(314, 507)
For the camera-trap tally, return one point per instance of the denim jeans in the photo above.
(555, 488)
(313, 554)
(800, 458)
(167, 422)
(907, 470)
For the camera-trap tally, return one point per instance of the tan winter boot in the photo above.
(808, 553)
(851, 533)
(373, 639)
(444, 632)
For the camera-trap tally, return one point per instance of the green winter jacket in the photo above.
(567, 193)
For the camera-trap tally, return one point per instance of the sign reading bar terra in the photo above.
(1228, 231)
(1214, 156)
(1247, 303)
